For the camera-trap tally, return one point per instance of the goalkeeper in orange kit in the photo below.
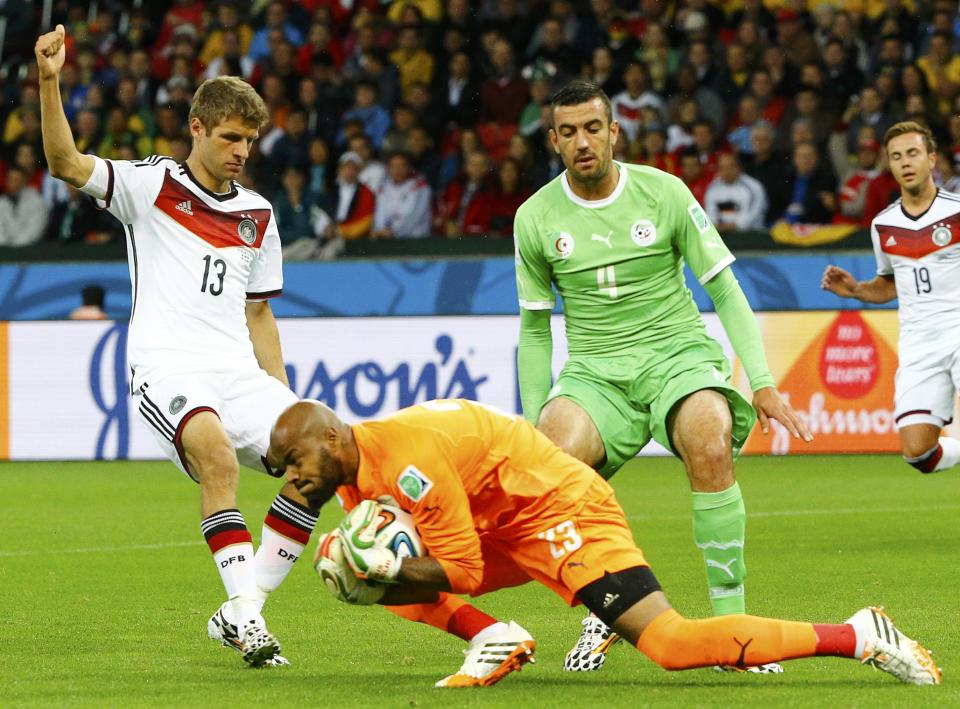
(497, 504)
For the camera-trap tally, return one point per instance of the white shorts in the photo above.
(926, 385)
(248, 403)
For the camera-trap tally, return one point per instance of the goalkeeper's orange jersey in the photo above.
(463, 469)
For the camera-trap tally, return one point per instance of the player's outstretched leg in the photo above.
(678, 643)
(493, 653)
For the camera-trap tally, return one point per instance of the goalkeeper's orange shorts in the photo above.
(564, 552)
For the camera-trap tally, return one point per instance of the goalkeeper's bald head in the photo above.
(314, 449)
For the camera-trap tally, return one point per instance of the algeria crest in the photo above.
(643, 232)
(942, 235)
(563, 245)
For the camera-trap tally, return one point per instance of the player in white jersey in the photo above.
(917, 245)
(207, 374)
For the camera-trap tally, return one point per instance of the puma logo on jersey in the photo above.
(891, 242)
(186, 207)
(741, 661)
(604, 239)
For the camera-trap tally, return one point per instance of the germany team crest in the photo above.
(247, 231)
(177, 404)
(942, 235)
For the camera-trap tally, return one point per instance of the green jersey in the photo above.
(617, 263)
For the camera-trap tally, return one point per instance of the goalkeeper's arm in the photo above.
(419, 581)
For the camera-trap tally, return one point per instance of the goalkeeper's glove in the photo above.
(338, 577)
(358, 533)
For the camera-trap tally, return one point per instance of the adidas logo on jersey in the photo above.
(890, 242)
(185, 207)
(609, 599)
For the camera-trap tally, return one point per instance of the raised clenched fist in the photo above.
(51, 52)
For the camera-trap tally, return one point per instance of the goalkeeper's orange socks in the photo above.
(286, 531)
(450, 613)
(678, 643)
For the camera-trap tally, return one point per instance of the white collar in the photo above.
(596, 203)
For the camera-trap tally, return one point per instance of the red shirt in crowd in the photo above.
(468, 207)
(882, 191)
(503, 208)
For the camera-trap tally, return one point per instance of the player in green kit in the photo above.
(612, 239)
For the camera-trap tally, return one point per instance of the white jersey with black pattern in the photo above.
(195, 258)
(922, 253)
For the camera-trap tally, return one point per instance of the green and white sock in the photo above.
(719, 525)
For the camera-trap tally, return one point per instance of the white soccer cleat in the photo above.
(771, 668)
(592, 647)
(888, 649)
(227, 634)
(493, 658)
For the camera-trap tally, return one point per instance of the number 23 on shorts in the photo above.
(562, 539)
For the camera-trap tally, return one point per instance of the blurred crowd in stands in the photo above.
(409, 118)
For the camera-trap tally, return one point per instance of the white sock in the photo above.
(951, 453)
(286, 531)
(232, 547)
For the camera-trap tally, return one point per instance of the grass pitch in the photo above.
(106, 587)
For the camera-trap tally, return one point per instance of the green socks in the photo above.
(719, 523)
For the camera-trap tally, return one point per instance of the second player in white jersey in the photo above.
(916, 241)
(196, 258)
(922, 253)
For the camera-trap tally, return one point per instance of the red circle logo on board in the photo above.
(849, 363)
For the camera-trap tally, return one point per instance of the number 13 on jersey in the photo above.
(562, 539)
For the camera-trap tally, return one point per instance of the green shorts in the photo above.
(629, 396)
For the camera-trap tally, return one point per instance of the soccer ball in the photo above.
(395, 530)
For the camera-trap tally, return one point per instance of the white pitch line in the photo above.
(101, 550)
(806, 513)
